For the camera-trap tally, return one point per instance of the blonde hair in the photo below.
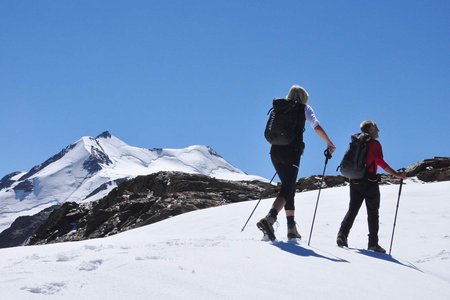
(299, 94)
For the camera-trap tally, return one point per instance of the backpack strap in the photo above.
(372, 164)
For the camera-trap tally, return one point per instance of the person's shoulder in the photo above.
(375, 142)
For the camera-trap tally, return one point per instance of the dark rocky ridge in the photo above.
(6, 181)
(23, 227)
(141, 201)
(52, 159)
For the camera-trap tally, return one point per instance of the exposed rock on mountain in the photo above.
(22, 228)
(6, 181)
(141, 201)
(313, 182)
(428, 170)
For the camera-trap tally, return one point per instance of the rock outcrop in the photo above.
(23, 227)
(141, 201)
(429, 170)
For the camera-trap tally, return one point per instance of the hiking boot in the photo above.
(292, 233)
(341, 241)
(377, 248)
(266, 226)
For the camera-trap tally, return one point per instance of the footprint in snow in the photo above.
(181, 268)
(50, 288)
(443, 255)
(90, 265)
(61, 257)
(150, 257)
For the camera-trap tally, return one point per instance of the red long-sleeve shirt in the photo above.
(375, 154)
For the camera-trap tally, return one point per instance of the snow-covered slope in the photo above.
(204, 255)
(88, 169)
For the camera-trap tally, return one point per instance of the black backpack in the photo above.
(353, 164)
(284, 123)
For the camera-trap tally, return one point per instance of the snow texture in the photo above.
(204, 255)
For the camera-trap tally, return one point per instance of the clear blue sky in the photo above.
(172, 74)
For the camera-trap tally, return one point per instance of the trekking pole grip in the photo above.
(327, 154)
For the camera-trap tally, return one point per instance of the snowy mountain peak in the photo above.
(91, 167)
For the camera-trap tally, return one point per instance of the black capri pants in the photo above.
(286, 161)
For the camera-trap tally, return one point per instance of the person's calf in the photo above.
(279, 203)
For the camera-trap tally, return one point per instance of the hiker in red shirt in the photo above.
(367, 189)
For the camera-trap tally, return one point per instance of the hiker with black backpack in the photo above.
(284, 131)
(366, 151)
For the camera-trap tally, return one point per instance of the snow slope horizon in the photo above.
(204, 255)
(90, 168)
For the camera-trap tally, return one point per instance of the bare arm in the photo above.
(320, 132)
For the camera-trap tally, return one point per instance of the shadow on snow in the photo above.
(386, 257)
(297, 249)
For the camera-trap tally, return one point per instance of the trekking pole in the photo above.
(327, 157)
(258, 202)
(396, 210)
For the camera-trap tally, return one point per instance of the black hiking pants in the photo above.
(361, 190)
(286, 161)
